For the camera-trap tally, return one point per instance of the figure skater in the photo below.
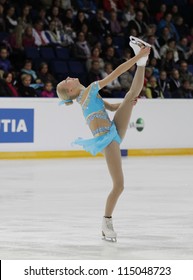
(108, 134)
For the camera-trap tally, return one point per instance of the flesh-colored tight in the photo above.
(112, 152)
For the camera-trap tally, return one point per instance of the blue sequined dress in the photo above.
(102, 128)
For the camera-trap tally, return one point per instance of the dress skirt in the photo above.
(97, 144)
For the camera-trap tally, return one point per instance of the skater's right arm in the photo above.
(111, 107)
(124, 67)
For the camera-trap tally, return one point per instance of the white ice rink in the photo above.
(52, 209)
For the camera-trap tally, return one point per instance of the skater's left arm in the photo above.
(111, 107)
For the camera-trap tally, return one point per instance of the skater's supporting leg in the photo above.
(113, 159)
(123, 114)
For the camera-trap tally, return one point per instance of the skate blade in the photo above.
(108, 239)
(112, 240)
(139, 42)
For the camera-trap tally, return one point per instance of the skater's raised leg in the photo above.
(124, 111)
(123, 114)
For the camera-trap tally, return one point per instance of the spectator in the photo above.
(153, 63)
(167, 22)
(186, 90)
(164, 36)
(138, 24)
(164, 84)
(184, 73)
(181, 27)
(99, 46)
(42, 16)
(48, 90)
(38, 34)
(142, 7)
(52, 34)
(168, 63)
(55, 16)
(28, 39)
(126, 55)
(110, 57)
(58, 4)
(68, 34)
(17, 55)
(81, 49)
(68, 16)
(155, 47)
(24, 89)
(160, 14)
(5, 63)
(44, 75)
(100, 25)
(108, 42)
(25, 18)
(80, 19)
(148, 74)
(128, 15)
(7, 89)
(95, 56)
(90, 38)
(94, 74)
(27, 69)
(114, 87)
(10, 19)
(175, 83)
(183, 48)
(134, 32)
(115, 26)
(152, 89)
(152, 31)
(175, 12)
(15, 38)
(170, 45)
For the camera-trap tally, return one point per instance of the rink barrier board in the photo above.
(83, 154)
(39, 128)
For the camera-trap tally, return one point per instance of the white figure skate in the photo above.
(136, 45)
(108, 232)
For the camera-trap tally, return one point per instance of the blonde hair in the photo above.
(63, 95)
(24, 76)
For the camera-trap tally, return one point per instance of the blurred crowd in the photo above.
(43, 42)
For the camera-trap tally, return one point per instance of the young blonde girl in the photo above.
(108, 134)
